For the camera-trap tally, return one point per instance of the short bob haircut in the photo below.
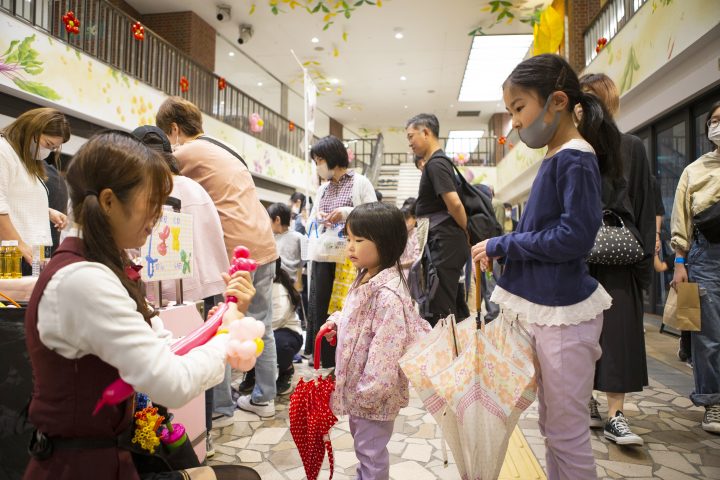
(332, 150)
(178, 110)
(604, 88)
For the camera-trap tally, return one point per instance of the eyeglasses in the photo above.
(713, 122)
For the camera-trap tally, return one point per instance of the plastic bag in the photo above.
(326, 244)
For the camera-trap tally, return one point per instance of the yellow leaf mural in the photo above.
(548, 34)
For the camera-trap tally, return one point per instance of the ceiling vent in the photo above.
(468, 113)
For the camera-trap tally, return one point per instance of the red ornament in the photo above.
(221, 84)
(291, 126)
(72, 24)
(138, 31)
(602, 41)
(502, 140)
(184, 84)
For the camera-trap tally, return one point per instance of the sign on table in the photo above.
(167, 253)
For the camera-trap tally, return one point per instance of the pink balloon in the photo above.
(115, 393)
(245, 365)
(241, 252)
(246, 349)
(243, 329)
(233, 348)
(259, 329)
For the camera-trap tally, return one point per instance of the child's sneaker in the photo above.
(618, 430)
(596, 420)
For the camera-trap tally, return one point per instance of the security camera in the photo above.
(223, 12)
(246, 33)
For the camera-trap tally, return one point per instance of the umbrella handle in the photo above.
(318, 345)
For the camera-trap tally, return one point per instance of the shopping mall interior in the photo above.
(272, 77)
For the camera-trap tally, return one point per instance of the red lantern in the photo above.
(221, 84)
(602, 41)
(184, 84)
(502, 140)
(138, 31)
(72, 24)
(291, 126)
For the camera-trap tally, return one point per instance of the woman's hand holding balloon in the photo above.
(240, 286)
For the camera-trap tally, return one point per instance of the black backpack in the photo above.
(482, 223)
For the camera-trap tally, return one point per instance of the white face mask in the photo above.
(714, 134)
(323, 171)
(41, 153)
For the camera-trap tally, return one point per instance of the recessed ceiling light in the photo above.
(349, 108)
(451, 105)
(491, 59)
(403, 78)
(399, 35)
(259, 84)
(334, 81)
(315, 40)
(328, 89)
(405, 106)
(232, 54)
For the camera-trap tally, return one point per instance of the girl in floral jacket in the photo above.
(375, 327)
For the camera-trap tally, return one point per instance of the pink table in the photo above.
(18, 289)
(181, 320)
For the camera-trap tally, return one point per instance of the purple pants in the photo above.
(371, 438)
(566, 356)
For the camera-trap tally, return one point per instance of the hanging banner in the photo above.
(167, 252)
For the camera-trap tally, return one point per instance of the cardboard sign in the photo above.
(167, 253)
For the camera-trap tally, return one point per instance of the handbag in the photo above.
(708, 223)
(615, 244)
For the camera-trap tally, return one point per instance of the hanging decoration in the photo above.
(461, 158)
(138, 31)
(351, 155)
(291, 126)
(256, 123)
(222, 84)
(502, 140)
(602, 41)
(548, 32)
(184, 84)
(72, 24)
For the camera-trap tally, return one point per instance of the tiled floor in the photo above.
(676, 448)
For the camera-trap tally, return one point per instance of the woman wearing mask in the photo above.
(344, 190)
(695, 229)
(622, 368)
(24, 210)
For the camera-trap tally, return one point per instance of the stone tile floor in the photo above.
(676, 448)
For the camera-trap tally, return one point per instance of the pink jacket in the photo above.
(375, 327)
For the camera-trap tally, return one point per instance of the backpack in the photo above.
(481, 221)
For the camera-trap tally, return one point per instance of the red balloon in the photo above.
(241, 252)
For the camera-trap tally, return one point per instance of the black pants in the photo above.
(322, 277)
(302, 311)
(449, 251)
(287, 343)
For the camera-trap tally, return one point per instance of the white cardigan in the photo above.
(362, 192)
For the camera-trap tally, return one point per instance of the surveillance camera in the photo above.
(223, 13)
(246, 33)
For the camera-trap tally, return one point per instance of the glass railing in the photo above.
(607, 23)
(472, 152)
(106, 34)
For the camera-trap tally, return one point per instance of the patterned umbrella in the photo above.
(311, 417)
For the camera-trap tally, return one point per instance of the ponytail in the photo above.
(600, 131)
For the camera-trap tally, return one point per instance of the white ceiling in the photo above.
(432, 55)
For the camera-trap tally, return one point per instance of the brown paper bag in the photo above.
(682, 308)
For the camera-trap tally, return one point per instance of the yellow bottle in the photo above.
(3, 269)
(14, 258)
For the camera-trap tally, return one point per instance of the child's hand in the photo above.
(240, 286)
(332, 326)
(214, 309)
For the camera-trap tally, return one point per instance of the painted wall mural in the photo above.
(657, 33)
(36, 66)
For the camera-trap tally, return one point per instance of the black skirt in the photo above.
(622, 368)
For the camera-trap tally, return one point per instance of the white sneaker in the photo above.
(262, 410)
(221, 421)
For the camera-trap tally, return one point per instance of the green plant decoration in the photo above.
(631, 66)
(20, 58)
(506, 11)
(330, 9)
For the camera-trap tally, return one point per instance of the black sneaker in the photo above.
(248, 383)
(596, 420)
(283, 385)
(618, 430)
(711, 419)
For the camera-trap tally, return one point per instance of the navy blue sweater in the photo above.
(545, 256)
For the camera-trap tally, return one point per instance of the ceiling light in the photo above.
(399, 35)
(315, 40)
(259, 84)
(334, 81)
(462, 141)
(491, 59)
(328, 89)
(349, 108)
(403, 78)
(405, 106)
(232, 54)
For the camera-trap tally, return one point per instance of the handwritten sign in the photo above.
(167, 253)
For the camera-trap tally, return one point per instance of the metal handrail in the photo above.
(106, 35)
(481, 155)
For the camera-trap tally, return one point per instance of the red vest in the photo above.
(64, 395)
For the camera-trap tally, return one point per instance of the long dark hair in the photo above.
(545, 74)
(384, 225)
(283, 278)
(117, 161)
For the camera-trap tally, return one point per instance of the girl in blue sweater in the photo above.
(546, 280)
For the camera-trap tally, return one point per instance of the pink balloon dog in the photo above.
(119, 390)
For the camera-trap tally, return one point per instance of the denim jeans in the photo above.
(703, 264)
(266, 365)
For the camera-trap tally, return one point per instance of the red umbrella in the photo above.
(311, 417)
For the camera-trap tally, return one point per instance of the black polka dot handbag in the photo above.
(615, 244)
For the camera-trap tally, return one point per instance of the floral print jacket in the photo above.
(377, 324)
